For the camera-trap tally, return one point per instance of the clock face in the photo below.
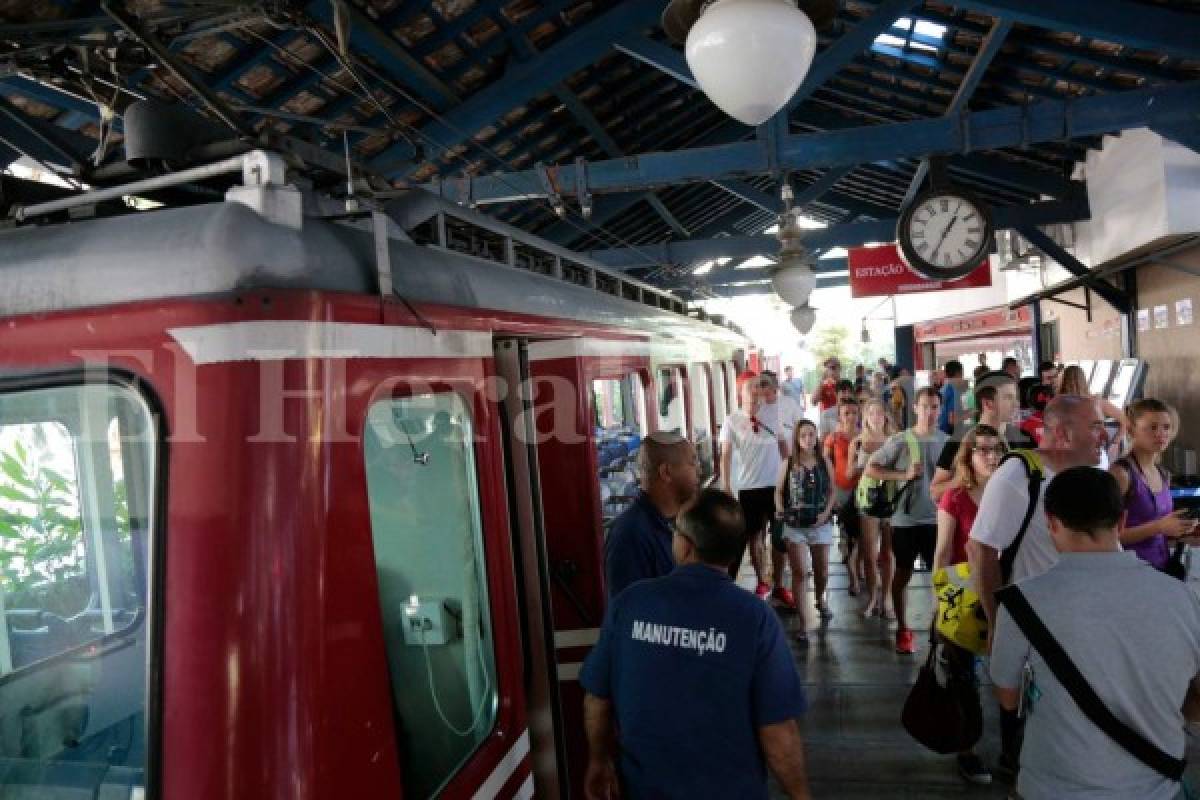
(947, 231)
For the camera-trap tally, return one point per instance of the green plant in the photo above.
(42, 559)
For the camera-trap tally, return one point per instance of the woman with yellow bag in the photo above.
(977, 458)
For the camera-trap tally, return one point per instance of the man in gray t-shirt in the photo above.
(1134, 634)
(914, 525)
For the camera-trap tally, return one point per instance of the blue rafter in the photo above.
(731, 274)
(987, 51)
(662, 57)
(849, 45)
(993, 129)
(1138, 25)
(525, 81)
(756, 289)
(847, 235)
(368, 38)
(41, 140)
(672, 63)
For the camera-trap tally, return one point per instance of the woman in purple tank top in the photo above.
(1151, 525)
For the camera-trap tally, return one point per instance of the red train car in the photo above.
(302, 504)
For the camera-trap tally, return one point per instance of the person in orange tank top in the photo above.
(845, 480)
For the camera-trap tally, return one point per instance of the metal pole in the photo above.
(259, 167)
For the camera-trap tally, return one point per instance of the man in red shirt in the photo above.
(826, 396)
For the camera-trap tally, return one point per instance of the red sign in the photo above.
(880, 271)
(985, 323)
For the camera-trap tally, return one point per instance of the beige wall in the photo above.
(1173, 354)
(1080, 339)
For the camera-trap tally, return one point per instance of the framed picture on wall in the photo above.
(1161, 318)
(1183, 311)
(1143, 320)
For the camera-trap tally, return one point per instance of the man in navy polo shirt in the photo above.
(639, 544)
(691, 689)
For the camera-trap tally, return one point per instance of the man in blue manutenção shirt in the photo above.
(691, 689)
(639, 544)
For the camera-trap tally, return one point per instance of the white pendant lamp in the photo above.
(803, 319)
(750, 56)
(794, 282)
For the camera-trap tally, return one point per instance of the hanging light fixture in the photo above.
(793, 278)
(748, 56)
(803, 319)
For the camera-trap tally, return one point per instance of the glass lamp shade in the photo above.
(803, 319)
(794, 283)
(750, 56)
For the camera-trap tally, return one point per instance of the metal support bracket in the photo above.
(550, 187)
(582, 192)
(383, 255)
(1116, 298)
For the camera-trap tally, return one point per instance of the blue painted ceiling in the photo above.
(454, 88)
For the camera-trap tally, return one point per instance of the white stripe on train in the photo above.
(272, 340)
(505, 770)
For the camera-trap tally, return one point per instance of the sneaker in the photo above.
(972, 770)
(784, 597)
(801, 638)
(762, 590)
(825, 611)
(904, 641)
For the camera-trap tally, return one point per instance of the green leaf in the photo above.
(15, 494)
(16, 471)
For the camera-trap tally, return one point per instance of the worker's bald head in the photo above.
(667, 463)
(1074, 427)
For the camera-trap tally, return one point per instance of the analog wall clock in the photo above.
(945, 233)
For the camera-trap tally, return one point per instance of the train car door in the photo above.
(532, 566)
(583, 395)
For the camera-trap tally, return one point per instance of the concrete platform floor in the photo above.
(857, 684)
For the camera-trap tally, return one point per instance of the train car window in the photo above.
(671, 415)
(428, 540)
(76, 489)
(702, 426)
(620, 416)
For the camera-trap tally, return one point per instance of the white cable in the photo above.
(477, 717)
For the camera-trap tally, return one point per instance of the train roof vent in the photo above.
(431, 220)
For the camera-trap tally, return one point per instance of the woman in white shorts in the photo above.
(804, 494)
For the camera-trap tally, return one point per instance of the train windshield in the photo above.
(428, 541)
(76, 490)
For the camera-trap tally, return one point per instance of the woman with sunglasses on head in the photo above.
(1152, 525)
(804, 497)
(978, 456)
(876, 429)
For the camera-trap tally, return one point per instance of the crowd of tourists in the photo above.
(1052, 540)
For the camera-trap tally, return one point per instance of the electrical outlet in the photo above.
(426, 622)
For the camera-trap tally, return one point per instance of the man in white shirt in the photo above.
(1074, 437)
(754, 432)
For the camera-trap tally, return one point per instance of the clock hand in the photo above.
(946, 233)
